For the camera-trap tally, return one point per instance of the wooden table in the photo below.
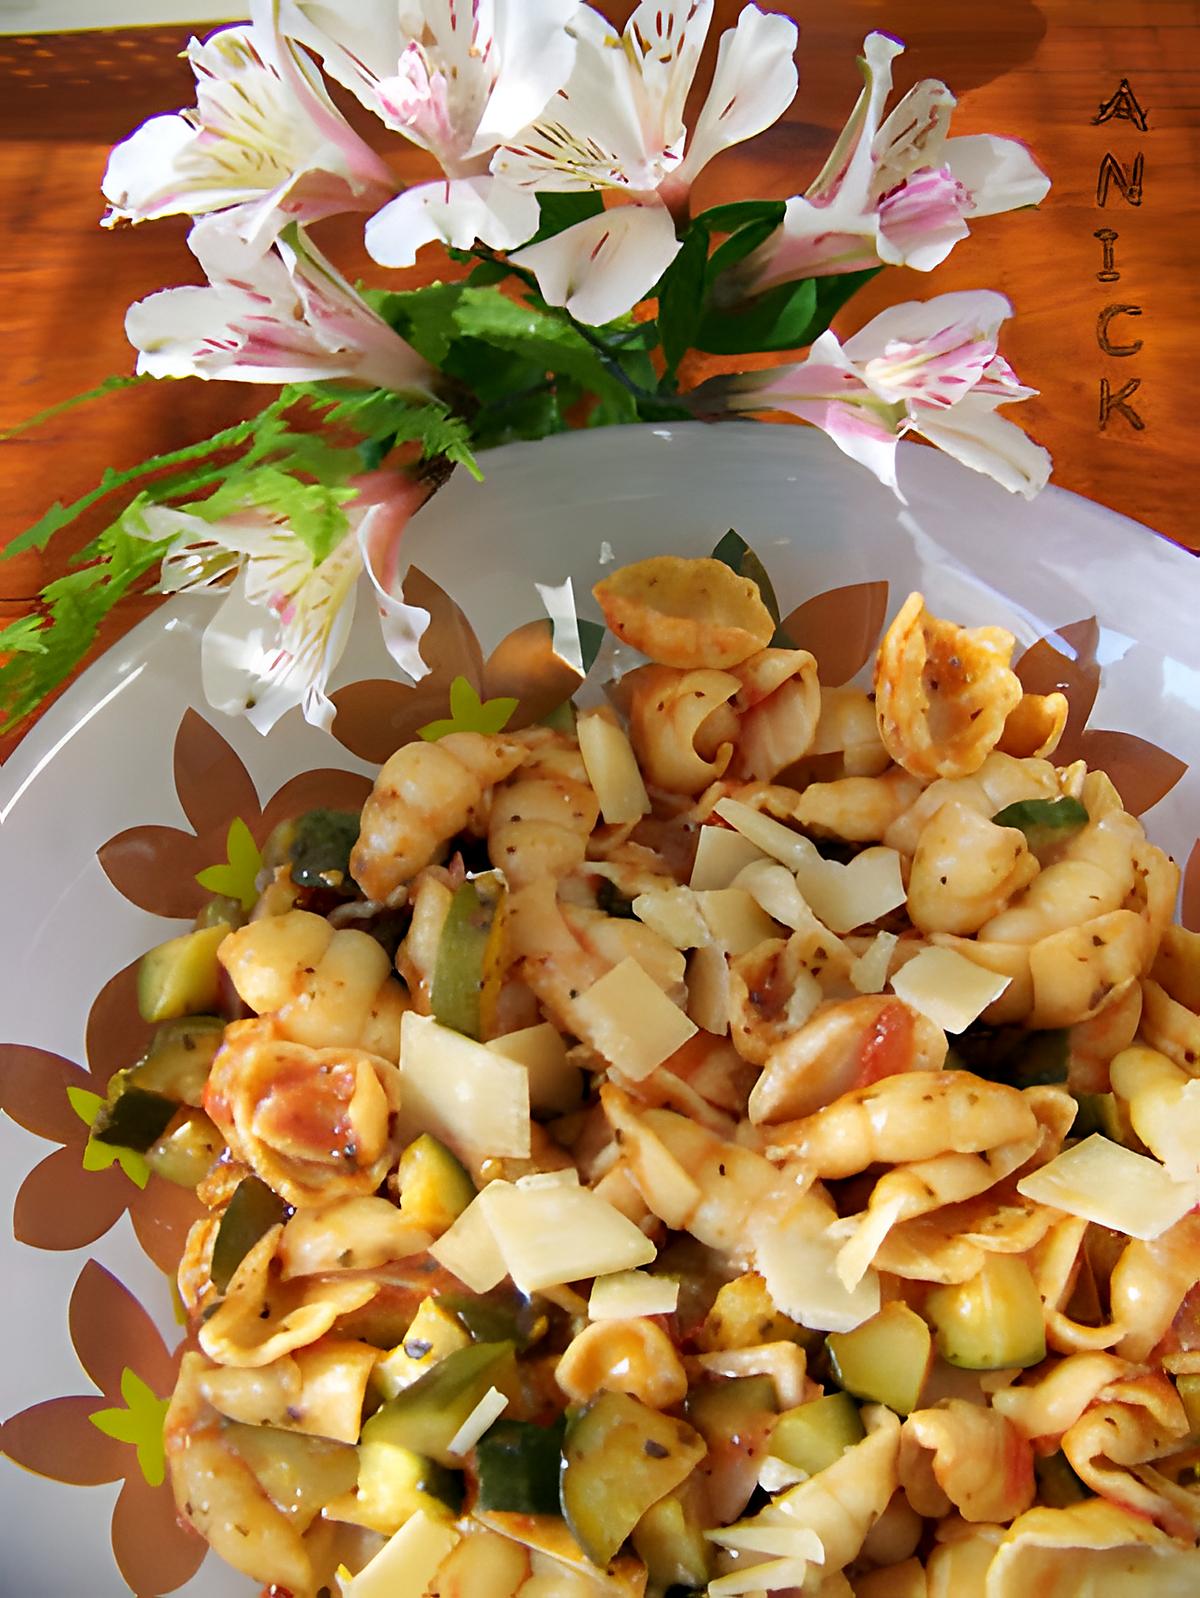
(1106, 92)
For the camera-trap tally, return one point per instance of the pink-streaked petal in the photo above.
(379, 534)
(913, 135)
(358, 44)
(857, 433)
(536, 54)
(916, 321)
(664, 40)
(973, 434)
(850, 166)
(921, 221)
(601, 268)
(753, 84)
(998, 174)
(455, 211)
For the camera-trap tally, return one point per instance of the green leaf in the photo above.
(557, 212)
(100, 1156)
(236, 878)
(734, 552)
(110, 385)
(140, 1424)
(469, 714)
(379, 413)
(1043, 821)
(542, 338)
(23, 637)
(423, 316)
(681, 299)
(777, 320)
(591, 636)
(740, 213)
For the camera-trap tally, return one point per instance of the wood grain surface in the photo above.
(1105, 92)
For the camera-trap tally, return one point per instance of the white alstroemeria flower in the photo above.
(617, 129)
(264, 141)
(284, 317)
(897, 191)
(285, 617)
(456, 77)
(929, 368)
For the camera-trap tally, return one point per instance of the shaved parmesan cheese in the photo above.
(567, 1177)
(629, 1019)
(855, 1255)
(720, 855)
(950, 989)
(736, 921)
(771, 1575)
(774, 888)
(560, 1233)
(869, 973)
(469, 1251)
(628, 1294)
(771, 836)
(407, 1563)
(559, 601)
(612, 768)
(708, 989)
(849, 896)
(799, 1265)
(674, 913)
(489, 1408)
(555, 1084)
(470, 1097)
(783, 1541)
(1107, 1183)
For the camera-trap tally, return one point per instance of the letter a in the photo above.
(1122, 106)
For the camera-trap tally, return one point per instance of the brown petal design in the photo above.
(111, 1330)
(524, 667)
(154, 1551)
(162, 1213)
(449, 646)
(57, 1439)
(1141, 771)
(212, 783)
(1189, 913)
(1043, 669)
(116, 1033)
(60, 1205)
(841, 627)
(326, 789)
(33, 1090)
(155, 867)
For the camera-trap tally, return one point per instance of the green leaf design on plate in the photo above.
(99, 1156)
(236, 878)
(140, 1424)
(468, 713)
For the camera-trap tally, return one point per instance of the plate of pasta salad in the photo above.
(696, 1095)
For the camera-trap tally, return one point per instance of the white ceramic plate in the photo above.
(101, 762)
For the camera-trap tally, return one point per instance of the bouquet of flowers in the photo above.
(581, 281)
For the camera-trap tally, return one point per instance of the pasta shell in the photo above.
(686, 613)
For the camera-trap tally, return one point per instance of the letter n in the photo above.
(1129, 183)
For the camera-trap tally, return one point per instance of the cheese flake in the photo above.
(489, 1408)
(469, 1251)
(674, 913)
(555, 1084)
(737, 921)
(767, 834)
(407, 1563)
(854, 894)
(869, 972)
(950, 989)
(560, 1233)
(774, 888)
(799, 1265)
(631, 1022)
(612, 768)
(1105, 1182)
(720, 855)
(468, 1096)
(628, 1294)
(708, 989)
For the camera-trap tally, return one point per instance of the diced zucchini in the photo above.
(185, 1152)
(813, 1435)
(1012, 1054)
(434, 1333)
(318, 847)
(669, 1540)
(743, 1315)
(501, 1316)
(180, 1058)
(252, 1211)
(425, 1416)
(1058, 1485)
(220, 911)
(991, 1322)
(886, 1359)
(132, 1119)
(734, 1417)
(460, 971)
(621, 1458)
(394, 1483)
(518, 1466)
(1045, 822)
(1104, 1113)
(434, 1188)
(182, 976)
(300, 1474)
(1188, 1388)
